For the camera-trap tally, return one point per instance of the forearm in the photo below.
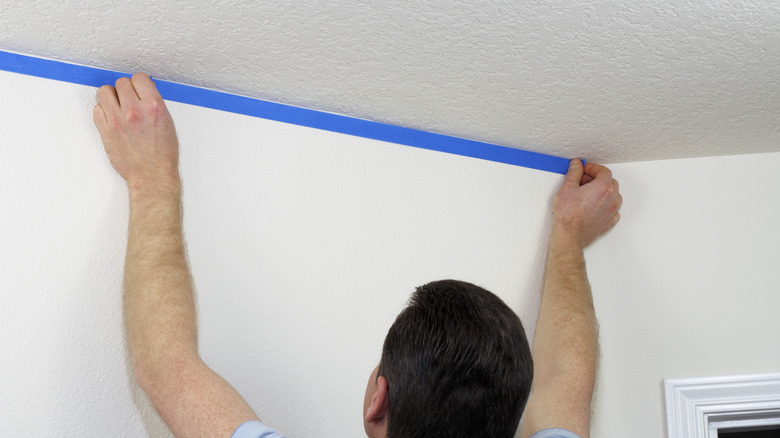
(565, 347)
(159, 306)
(566, 340)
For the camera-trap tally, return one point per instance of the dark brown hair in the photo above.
(457, 364)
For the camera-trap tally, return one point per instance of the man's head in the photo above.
(455, 363)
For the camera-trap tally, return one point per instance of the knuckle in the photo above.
(132, 114)
(113, 123)
(103, 91)
(155, 106)
(604, 190)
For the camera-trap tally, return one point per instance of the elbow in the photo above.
(574, 373)
(155, 374)
(581, 379)
(143, 372)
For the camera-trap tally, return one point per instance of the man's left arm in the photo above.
(565, 350)
(159, 307)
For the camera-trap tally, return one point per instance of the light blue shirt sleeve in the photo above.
(255, 429)
(554, 433)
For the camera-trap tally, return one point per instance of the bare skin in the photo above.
(565, 348)
(566, 340)
(159, 305)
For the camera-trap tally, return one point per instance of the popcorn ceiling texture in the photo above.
(613, 81)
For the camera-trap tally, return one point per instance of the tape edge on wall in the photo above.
(218, 100)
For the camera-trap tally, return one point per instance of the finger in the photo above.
(619, 202)
(99, 116)
(615, 185)
(597, 171)
(574, 174)
(107, 98)
(145, 87)
(125, 92)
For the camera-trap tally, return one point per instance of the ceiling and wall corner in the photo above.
(613, 81)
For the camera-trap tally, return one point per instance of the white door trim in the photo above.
(693, 403)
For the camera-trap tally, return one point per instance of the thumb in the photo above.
(574, 174)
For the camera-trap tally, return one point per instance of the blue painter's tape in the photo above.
(96, 77)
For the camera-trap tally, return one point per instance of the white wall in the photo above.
(687, 285)
(305, 244)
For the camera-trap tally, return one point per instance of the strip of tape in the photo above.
(95, 77)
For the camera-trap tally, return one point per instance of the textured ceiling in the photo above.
(612, 81)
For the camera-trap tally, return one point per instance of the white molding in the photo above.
(742, 425)
(692, 403)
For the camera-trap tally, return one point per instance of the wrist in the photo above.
(142, 191)
(565, 236)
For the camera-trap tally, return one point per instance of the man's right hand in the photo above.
(138, 133)
(587, 203)
(159, 304)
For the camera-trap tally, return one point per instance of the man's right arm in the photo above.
(159, 305)
(565, 347)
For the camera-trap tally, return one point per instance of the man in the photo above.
(441, 374)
